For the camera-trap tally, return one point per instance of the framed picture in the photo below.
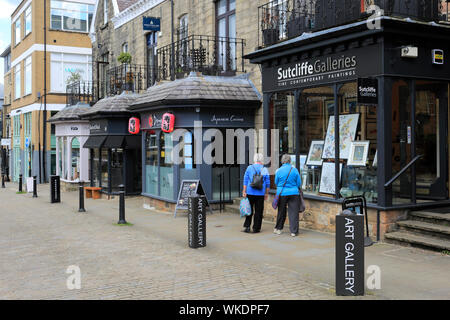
(371, 132)
(348, 124)
(327, 178)
(315, 153)
(358, 153)
(329, 106)
(350, 105)
(371, 112)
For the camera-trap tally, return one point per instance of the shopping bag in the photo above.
(245, 208)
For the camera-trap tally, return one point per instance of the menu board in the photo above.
(189, 188)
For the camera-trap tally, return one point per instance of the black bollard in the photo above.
(81, 188)
(34, 187)
(20, 183)
(122, 205)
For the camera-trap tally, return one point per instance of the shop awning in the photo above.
(133, 142)
(94, 142)
(114, 142)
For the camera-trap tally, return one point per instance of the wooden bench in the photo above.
(93, 192)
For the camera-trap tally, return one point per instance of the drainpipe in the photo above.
(172, 59)
(43, 177)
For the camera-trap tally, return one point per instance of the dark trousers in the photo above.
(257, 205)
(293, 208)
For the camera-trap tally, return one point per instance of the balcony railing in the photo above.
(207, 54)
(125, 77)
(82, 91)
(285, 19)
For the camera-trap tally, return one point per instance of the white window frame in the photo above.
(88, 10)
(28, 18)
(17, 33)
(17, 82)
(28, 72)
(59, 58)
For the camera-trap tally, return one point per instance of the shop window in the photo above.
(117, 169)
(151, 163)
(166, 166)
(281, 118)
(96, 167)
(104, 180)
(316, 108)
(75, 160)
(358, 148)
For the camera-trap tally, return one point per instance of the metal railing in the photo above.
(125, 77)
(285, 19)
(207, 54)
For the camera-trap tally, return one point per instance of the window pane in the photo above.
(151, 163)
(17, 32)
(221, 7)
(232, 5)
(28, 20)
(316, 108)
(56, 19)
(28, 75)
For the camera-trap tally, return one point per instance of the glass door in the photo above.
(430, 139)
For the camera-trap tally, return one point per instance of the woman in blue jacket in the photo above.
(289, 177)
(255, 196)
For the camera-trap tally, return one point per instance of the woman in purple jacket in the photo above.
(255, 196)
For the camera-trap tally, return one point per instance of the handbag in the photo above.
(302, 206)
(244, 208)
(276, 199)
(257, 181)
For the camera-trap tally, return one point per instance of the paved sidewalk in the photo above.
(151, 258)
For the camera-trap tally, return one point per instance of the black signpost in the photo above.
(189, 188)
(197, 221)
(349, 254)
(55, 189)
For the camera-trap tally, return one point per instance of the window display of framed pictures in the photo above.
(358, 153)
(327, 178)
(348, 124)
(315, 153)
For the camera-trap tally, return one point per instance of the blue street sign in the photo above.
(151, 24)
(27, 142)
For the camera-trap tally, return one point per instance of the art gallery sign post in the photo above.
(349, 254)
(197, 221)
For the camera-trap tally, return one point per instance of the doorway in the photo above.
(419, 131)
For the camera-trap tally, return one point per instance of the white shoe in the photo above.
(293, 235)
(277, 231)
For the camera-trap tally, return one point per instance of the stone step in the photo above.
(431, 217)
(425, 228)
(411, 239)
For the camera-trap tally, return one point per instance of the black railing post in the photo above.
(20, 182)
(81, 198)
(122, 205)
(3, 180)
(34, 187)
(220, 193)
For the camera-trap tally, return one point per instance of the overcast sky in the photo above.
(6, 8)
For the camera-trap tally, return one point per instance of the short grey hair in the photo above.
(285, 159)
(258, 157)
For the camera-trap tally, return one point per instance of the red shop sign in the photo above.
(168, 122)
(133, 125)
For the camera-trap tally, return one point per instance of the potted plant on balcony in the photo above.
(125, 59)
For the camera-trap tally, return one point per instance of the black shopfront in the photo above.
(115, 155)
(394, 152)
(196, 128)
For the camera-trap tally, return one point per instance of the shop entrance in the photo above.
(419, 127)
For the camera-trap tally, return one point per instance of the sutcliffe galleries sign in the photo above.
(326, 69)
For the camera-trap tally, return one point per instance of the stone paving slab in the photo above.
(151, 259)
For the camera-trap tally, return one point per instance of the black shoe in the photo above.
(247, 230)
(256, 231)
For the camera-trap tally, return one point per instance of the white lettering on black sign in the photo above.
(349, 255)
